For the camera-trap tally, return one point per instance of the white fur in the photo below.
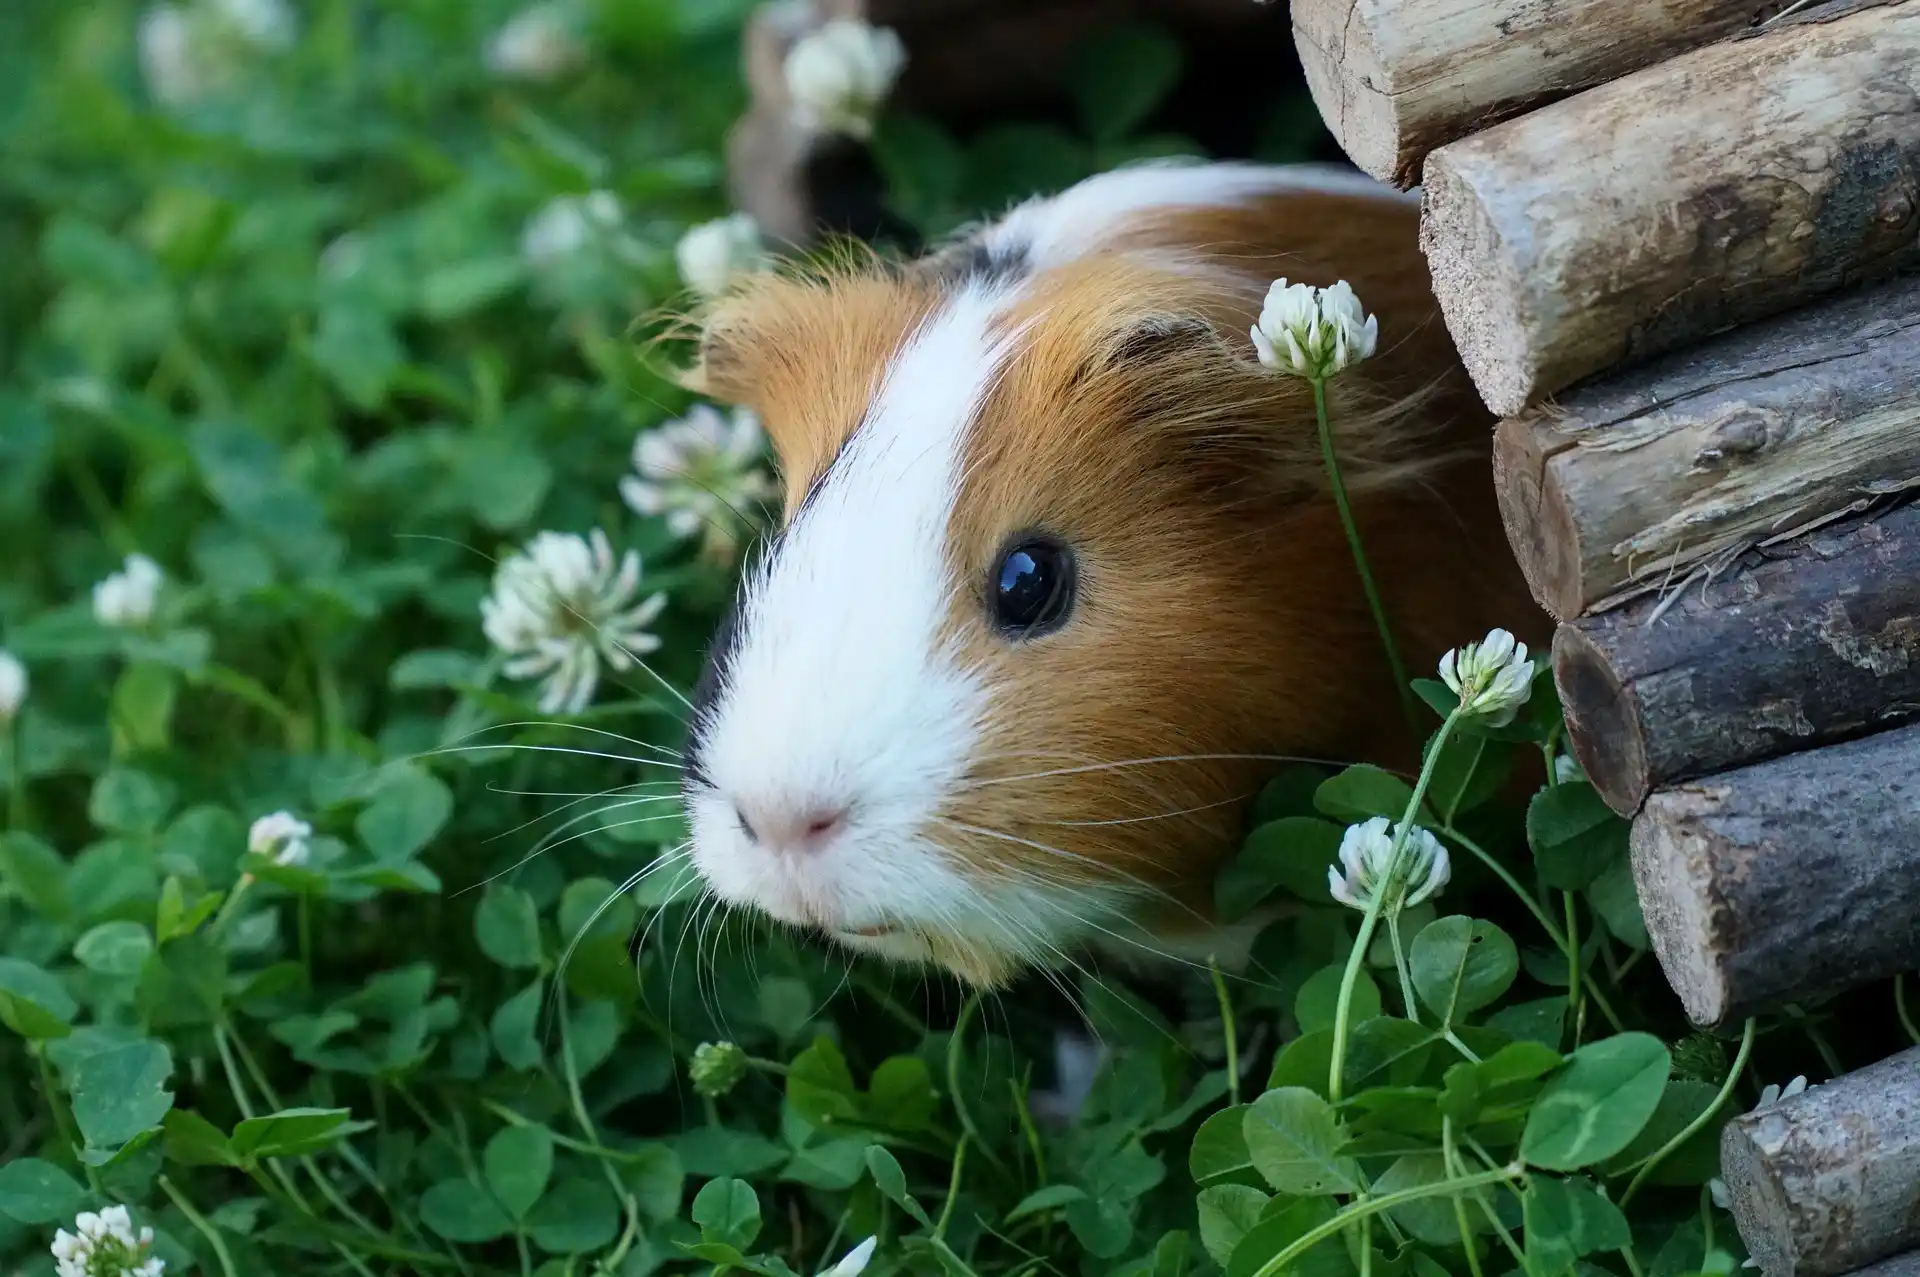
(1061, 228)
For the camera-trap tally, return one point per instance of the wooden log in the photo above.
(1785, 881)
(1905, 1264)
(1818, 643)
(1719, 187)
(1395, 78)
(1631, 481)
(1829, 1180)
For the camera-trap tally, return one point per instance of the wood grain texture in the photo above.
(1632, 481)
(1727, 184)
(1905, 1264)
(1820, 642)
(1829, 1180)
(1785, 881)
(1396, 78)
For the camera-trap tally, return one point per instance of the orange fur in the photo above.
(1219, 612)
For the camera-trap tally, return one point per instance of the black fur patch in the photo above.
(976, 261)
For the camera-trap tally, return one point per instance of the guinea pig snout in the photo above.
(796, 829)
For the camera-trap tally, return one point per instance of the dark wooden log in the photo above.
(1633, 480)
(1905, 1264)
(1829, 1180)
(1787, 881)
(1396, 78)
(1724, 185)
(1817, 640)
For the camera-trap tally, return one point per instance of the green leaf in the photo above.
(1432, 1219)
(1614, 897)
(294, 1132)
(357, 349)
(174, 917)
(655, 1177)
(518, 1161)
(435, 668)
(1052, 1197)
(1575, 836)
(1362, 792)
(513, 1027)
(1219, 1149)
(1304, 1062)
(1470, 771)
(1460, 965)
(1119, 76)
(405, 815)
(1292, 854)
(891, 1180)
(1295, 1138)
(1228, 1212)
(1566, 1219)
(507, 926)
(1285, 1223)
(1104, 1229)
(142, 709)
(114, 948)
(577, 1216)
(1542, 1020)
(1318, 1001)
(120, 1092)
(37, 874)
(32, 1002)
(192, 1140)
(37, 1192)
(128, 801)
(1694, 1162)
(727, 1210)
(820, 1086)
(1387, 1050)
(1595, 1107)
(461, 1211)
(900, 1094)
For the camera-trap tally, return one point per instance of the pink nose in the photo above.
(791, 829)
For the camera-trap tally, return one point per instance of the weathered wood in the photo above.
(1819, 641)
(1829, 1180)
(1721, 186)
(1629, 482)
(1789, 880)
(1395, 78)
(1905, 1264)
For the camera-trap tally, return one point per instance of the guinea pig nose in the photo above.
(792, 828)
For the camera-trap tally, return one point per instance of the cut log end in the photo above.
(1539, 519)
(1604, 724)
(1349, 84)
(1761, 1210)
(1463, 247)
(1673, 875)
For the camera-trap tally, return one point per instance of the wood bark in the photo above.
(1395, 78)
(1820, 642)
(1829, 1180)
(1631, 481)
(1905, 1264)
(1727, 184)
(1786, 881)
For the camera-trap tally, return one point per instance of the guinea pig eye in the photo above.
(1032, 588)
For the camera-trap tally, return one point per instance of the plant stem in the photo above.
(953, 1188)
(630, 1205)
(1459, 1205)
(1573, 965)
(1699, 1123)
(1400, 966)
(200, 1225)
(1373, 1206)
(1387, 885)
(1228, 1031)
(1329, 455)
(954, 1046)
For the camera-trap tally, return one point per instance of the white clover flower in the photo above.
(105, 1245)
(563, 605)
(189, 49)
(854, 1262)
(1365, 854)
(127, 598)
(571, 224)
(713, 254)
(1313, 332)
(1492, 677)
(13, 686)
(700, 472)
(282, 836)
(839, 73)
(541, 43)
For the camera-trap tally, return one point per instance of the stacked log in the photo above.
(1678, 249)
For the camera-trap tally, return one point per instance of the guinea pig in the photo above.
(1059, 578)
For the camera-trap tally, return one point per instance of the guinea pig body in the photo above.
(1060, 579)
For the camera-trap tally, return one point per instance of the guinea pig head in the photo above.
(1058, 583)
